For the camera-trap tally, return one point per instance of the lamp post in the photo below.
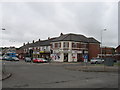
(3, 69)
(101, 44)
(101, 39)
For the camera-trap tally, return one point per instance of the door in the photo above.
(79, 57)
(65, 57)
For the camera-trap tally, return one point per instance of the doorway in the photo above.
(65, 57)
(79, 57)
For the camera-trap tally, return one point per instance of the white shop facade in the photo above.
(68, 51)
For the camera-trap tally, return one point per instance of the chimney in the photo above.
(39, 40)
(48, 38)
(28, 43)
(23, 44)
(61, 34)
(33, 41)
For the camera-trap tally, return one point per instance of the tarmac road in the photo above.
(38, 75)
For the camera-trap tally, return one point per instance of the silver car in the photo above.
(96, 61)
(28, 59)
(15, 59)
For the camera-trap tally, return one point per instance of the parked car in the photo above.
(28, 59)
(15, 59)
(40, 60)
(96, 61)
(7, 58)
(45, 60)
(1, 57)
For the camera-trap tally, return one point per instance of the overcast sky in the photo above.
(27, 21)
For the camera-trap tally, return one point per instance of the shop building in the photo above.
(74, 48)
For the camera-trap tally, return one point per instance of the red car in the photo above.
(40, 60)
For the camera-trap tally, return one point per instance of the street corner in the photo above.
(5, 75)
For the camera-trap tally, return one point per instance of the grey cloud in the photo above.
(30, 21)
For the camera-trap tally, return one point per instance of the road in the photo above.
(54, 75)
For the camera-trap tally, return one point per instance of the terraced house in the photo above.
(65, 48)
(38, 49)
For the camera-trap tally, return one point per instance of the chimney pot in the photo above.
(61, 34)
(23, 44)
(48, 38)
(33, 41)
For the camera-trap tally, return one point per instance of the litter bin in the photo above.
(109, 61)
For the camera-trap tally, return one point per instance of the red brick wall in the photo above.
(93, 50)
(107, 50)
(118, 52)
(118, 49)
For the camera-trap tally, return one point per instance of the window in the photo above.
(53, 45)
(83, 45)
(74, 45)
(56, 45)
(59, 45)
(66, 44)
(78, 45)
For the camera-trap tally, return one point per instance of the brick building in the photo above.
(38, 49)
(65, 48)
(74, 47)
(117, 51)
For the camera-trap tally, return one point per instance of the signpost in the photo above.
(85, 59)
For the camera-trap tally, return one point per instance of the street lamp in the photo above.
(3, 28)
(3, 65)
(101, 39)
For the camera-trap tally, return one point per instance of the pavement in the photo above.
(94, 68)
(3, 73)
(5, 76)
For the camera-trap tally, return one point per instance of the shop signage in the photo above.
(79, 52)
(42, 51)
(74, 51)
(86, 51)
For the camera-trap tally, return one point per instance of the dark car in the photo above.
(7, 58)
(28, 59)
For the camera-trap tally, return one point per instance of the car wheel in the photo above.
(96, 62)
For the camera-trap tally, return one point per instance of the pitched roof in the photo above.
(71, 37)
(118, 47)
(64, 37)
(92, 40)
(76, 38)
(38, 43)
(44, 42)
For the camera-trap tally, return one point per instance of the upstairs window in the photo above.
(53, 45)
(74, 45)
(83, 45)
(56, 45)
(78, 45)
(66, 44)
